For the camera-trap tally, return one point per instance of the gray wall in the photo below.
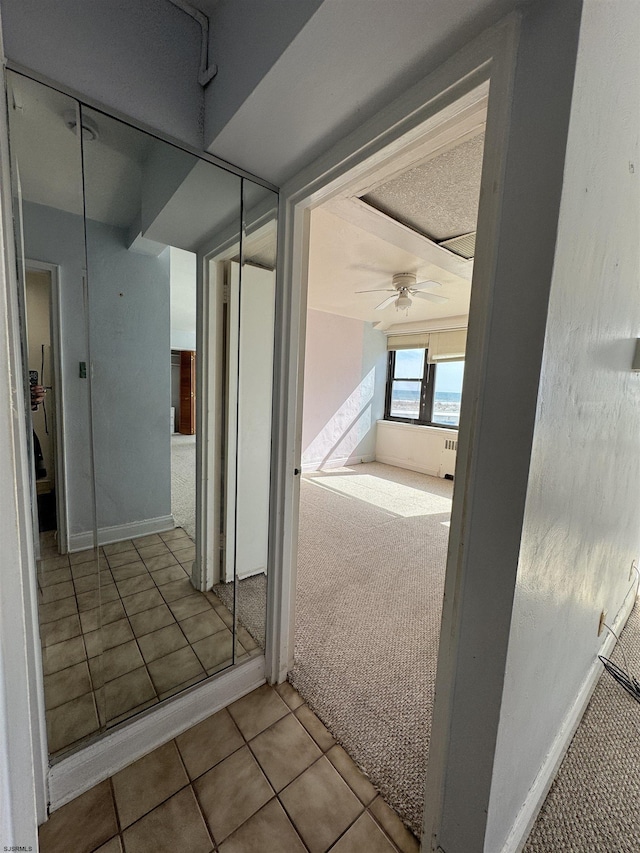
(245, 40)
(130, 351)
(138, 57)
(56, 237)
(351, 58)
(581, 526)
(131, 385)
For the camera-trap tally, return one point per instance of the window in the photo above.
(423, 393)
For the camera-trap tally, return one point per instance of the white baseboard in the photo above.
(322, 465)
(520, 830)
(74, 775)
(399, 462)
(119, 532)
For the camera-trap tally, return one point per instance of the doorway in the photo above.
(43, 364)
(389, 286)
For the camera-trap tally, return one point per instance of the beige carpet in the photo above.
(183, 482)
(592, 806)
(372, 554)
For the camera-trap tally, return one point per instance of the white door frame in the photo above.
(405, 124)
(23, 769)
(395, 132)
(58, 392)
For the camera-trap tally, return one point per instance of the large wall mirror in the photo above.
(147, 284)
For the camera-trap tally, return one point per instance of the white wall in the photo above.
(582, 520)
(140, 58)
(513, 268)
(182, 272)
(419, 448)
(344, 379)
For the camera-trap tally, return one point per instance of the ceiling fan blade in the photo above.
(387, 302)
(379, 290)
(432, 297)
(425, 285)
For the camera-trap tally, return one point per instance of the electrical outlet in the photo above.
(603, 619)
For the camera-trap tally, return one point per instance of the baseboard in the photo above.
(113, 751)
(119, 532)
(398, 462)
(517, 838)
(328, 465)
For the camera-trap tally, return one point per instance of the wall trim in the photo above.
(341, 462)
(111, 752)
(397, 462)
(528, 814)
(119, 532)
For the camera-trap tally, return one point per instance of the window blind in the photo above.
(415, 341)
(447, 346)
(442, 346)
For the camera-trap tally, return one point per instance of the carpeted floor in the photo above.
(592, 806)
(251, 601)
(372, 555)
(183, 482)
(252, 592)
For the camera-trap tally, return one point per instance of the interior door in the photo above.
(248, 435)
(187, 392)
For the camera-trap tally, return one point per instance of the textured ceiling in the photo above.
(344, 259)
(438, 198)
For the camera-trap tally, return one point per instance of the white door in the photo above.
(248, 456)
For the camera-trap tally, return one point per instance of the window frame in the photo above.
(427, 389)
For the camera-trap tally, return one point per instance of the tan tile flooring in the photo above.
(262, 776)
(142, 633)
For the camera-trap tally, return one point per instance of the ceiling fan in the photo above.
(404, 287)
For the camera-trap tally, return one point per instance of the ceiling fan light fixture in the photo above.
(403, 302)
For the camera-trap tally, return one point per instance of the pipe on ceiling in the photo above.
(207, 72)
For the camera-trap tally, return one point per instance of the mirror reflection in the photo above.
(158, 368)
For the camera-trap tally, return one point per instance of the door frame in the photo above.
(402, 126)
(58, 397)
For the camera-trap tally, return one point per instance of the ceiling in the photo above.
(355, 246)
(438, 198)
(131, 180)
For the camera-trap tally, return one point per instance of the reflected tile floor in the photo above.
(261, 776)
(141, 635)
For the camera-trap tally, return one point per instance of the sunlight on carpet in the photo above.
(371, 566)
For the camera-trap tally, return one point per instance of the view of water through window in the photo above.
(408, 385)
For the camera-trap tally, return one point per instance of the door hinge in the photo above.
(225, 293)
(222, 542)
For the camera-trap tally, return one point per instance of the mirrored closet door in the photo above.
(147, 276)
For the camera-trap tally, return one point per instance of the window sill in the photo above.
(437, 430)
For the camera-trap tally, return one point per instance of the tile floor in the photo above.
(158, 636)
(261, 776)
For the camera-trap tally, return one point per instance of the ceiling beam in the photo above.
(386, 228)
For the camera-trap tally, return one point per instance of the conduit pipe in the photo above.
(207, 72)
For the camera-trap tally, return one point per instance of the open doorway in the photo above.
(389, 284)
(43, 360)
(182, 416)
